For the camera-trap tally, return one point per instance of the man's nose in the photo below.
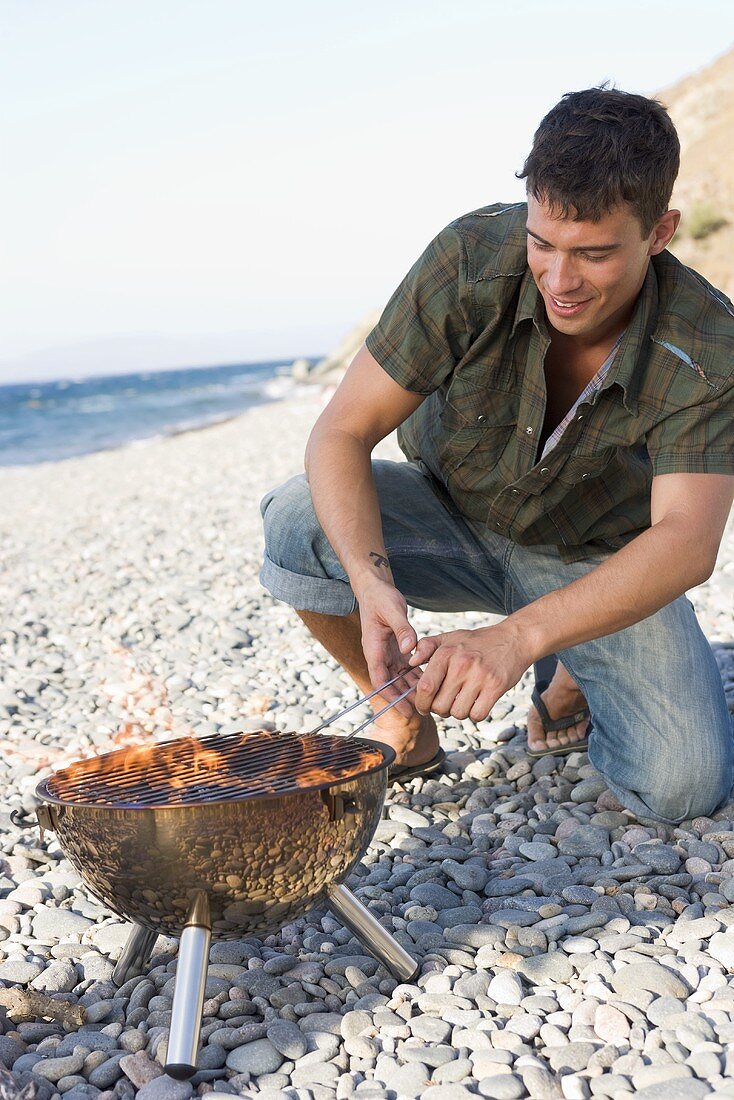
(563, 275)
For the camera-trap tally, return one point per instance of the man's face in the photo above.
(590, 273)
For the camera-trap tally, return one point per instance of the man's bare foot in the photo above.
(415, 740)
(561, 697)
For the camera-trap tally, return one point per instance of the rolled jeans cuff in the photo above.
(325, 596)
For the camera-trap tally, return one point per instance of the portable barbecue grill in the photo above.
(226, 836)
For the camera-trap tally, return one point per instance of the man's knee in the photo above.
(691, 785)
(300, 567)
(686, 797)
(289, 523)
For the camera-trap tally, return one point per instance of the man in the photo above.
(564, 392)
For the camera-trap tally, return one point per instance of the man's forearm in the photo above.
(655, 568)
(339, 471)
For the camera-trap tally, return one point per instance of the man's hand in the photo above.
(468, 670)
(388, 639)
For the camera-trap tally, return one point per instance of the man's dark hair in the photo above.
(599, 148)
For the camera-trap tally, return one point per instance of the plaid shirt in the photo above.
(467, 328)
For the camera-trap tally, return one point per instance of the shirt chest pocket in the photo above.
(579, 469)
(476, 424)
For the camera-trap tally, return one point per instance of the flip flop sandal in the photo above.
(552, 725)
(401, 773)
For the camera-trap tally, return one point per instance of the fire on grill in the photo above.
(226, 836)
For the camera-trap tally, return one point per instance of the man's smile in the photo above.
(566, 308)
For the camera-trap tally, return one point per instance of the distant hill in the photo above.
(702, 107)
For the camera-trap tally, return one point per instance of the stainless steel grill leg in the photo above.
(135, 954)
(373, 936)
(188, 994)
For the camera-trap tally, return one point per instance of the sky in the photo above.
(229, 181)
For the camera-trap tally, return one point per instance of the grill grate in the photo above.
(192, 770)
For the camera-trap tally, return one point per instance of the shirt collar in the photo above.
(636, 337)
(529, 302)
(625, 368)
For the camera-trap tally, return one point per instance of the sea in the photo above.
(49, 421)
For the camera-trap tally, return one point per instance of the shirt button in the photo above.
(581, 417)
(515, 492)
(481, 419)
(544, 470)
(529, 430)
(584, 477)
(498, 524)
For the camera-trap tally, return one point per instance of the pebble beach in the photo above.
(567, 950)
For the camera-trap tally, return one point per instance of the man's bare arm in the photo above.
(366, 407)
(470, 670)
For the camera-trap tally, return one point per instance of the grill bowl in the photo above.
(262, 852)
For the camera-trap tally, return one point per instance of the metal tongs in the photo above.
(365, 699)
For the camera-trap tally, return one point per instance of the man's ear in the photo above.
(664, 231)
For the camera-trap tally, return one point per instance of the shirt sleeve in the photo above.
(425, 329)
(696, 440)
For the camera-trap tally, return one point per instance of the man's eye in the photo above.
(541, 247)
(594, 259)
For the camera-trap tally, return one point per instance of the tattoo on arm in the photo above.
(379, 560)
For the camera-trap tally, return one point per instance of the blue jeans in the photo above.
(660, 733)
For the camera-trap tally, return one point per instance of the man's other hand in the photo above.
(388, 639)
(467, 671)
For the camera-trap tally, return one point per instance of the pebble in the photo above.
(546, 969)
(59, 924)
(140, 1068)
(586, 840)
(651, 976)
(165, 1088)
(506, 988)
(288, 1039)
(259, 1056)
(505, 1087)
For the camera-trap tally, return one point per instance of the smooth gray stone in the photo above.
(11, 1050)
(546, 969)
(587, 840)
(588, 790)
(699, 849)
(659, 857)
(26, 1062)
(429, 893)
(59, 977)
(468, 877)
(56, 1068)
(288, 1039)
(324, 1021)
(583, 895)
(474, 935)
(465, 914)
(434, 1054)
(688, 1089)
(514, 918)
(165, 1088)
(105, 1075)
(19, 971)
(571, 1057)
(504, 1086)
(92, 1040)
(648, 975)
(55, 924)
(507, 887)
(472, 985)
(259, 1056)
